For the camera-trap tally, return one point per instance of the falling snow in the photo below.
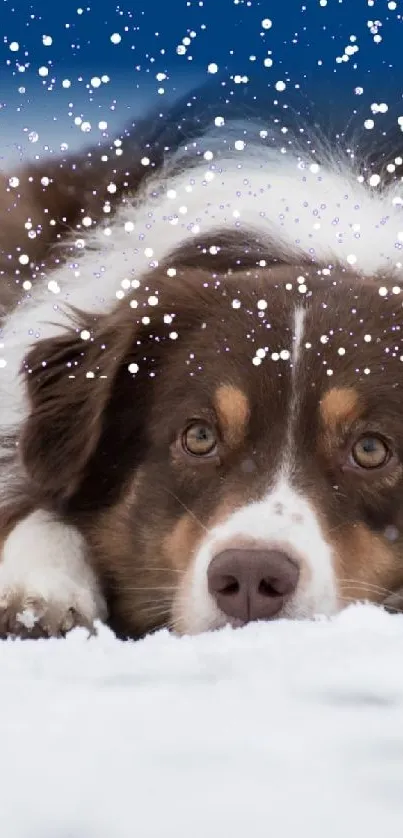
(73, 78)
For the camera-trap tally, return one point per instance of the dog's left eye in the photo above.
(199, 439)
(370, 452)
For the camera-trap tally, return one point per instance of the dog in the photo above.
(202, 378)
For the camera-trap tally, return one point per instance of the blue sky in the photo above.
(100, 62)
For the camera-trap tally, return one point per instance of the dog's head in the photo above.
(232, 445)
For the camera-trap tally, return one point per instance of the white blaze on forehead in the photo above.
(283, 520)
(299, 316)
(299, 325)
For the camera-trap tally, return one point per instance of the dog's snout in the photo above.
(252, 584)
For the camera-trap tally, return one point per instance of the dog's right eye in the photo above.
(200, 440)
(370, 452)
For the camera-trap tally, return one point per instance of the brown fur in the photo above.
(104, 452)
(366, 565)
(42, 216)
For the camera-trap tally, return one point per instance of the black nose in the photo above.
(251, 584)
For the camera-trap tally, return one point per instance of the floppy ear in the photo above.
(78, 387)
(89, 392)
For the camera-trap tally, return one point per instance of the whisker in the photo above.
(350, 589)
(155, 613)
(118, 585)
(186, 508)
(157, 610)
(366, 585)
(174, 625)
(152, 602)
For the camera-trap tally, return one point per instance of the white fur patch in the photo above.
(285, 199)
(283, 520)
(298, 334)
(299, 323)
(44, 570)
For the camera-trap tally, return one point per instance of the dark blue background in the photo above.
(305, 40)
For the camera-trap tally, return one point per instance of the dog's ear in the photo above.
(78, 385)
(89, 392)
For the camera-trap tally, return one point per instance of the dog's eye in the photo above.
(199, 439)
(370, 452)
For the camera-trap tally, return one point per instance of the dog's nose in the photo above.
(252, 584)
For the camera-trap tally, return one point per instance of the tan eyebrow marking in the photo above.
(339, 405)
(233, 410)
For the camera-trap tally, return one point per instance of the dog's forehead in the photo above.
(356, 336)
(265, 325)
(238, 328)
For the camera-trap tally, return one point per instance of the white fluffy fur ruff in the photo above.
(300, 208)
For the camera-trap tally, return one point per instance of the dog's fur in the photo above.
(237, 281)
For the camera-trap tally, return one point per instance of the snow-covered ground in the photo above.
(278, 730)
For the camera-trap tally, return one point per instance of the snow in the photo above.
(282, 729)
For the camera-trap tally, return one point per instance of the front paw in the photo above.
(27, 613)
(47, 586)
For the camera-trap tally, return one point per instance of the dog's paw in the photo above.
(47, 586)
(27, 613)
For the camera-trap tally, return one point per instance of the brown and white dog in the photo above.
(208, 428)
